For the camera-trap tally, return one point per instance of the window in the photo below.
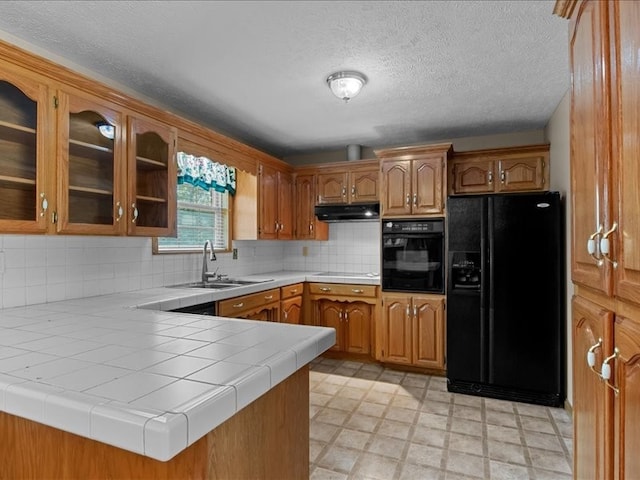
(203, 205)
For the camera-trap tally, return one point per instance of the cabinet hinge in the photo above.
(55, 101)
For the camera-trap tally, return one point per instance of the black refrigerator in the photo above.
(505, 297)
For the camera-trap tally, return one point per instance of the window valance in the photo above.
(205, 173)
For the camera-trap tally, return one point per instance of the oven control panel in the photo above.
(413, 226)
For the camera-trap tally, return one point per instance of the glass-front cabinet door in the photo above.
(152, 178)
(90, 169)
(24, 195)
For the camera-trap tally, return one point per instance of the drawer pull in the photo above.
(293, 291)
(238, 305)
(325, 289)
(357, 290)
(268, 297)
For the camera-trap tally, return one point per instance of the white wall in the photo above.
(558, 135)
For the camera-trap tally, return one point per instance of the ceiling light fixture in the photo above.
(106, 129)
(346, 85)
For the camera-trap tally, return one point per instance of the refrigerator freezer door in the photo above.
(525, 302)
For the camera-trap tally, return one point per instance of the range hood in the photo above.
(348, 213)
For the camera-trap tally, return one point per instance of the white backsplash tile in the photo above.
(48, 268)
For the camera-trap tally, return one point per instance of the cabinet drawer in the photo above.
(345, 289)
(291, 290)
(246, 302)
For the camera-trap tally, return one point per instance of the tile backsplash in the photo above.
(38, 269)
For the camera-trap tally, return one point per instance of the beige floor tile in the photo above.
(424, 455)
(320, 399)
(468, 413)
(360, 383)
(537, 424)
(565, 429)
(438, 396)
(344, 404)
(376, 467)
(322, 431)
(331, 416)
(371, 409)
(532, 410)
(405, 415)
(367, 374)
(466, 443)
(339, 459)
(394, 429)
(438, 408)
(433, 421)
(315, 447)
(504, 434)
(465, 464)
(498, 405)
(337, 379)
(469, 427)
(546, 460)
(504, 471)
(507, 452)
(313, 409)
(501, 418)
(419, 472)
(547, 475)
(363, 423)
(379, 397)
(560, 415)
(404, 401)
(414, 392)
(352, 392)
(468, 400)
(327, 388)
(429, 436)
(387, 446)
(352, 439)
(324, 474)
(543, 440)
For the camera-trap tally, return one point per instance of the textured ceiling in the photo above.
(256, 70)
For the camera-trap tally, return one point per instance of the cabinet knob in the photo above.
(592, 245)
(119, 212)
(408, 199)
(503, 176)
(415, 311)
(408, 311)
(238, 305)
(606, 370)
(311, 226)
(605, 247)
(344, 191)
(353, 191)
(415, 199)
(268, 297)
(490, 177)
(44, 204)
(135, 213)
(293, 291)
(325, 289)
(357, 290)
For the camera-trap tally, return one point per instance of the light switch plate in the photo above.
(305, 251)
(235, 253)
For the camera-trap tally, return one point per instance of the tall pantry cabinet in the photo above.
(604, 41)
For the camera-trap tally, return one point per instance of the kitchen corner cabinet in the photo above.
(503, 170)
(291, 303)
(414, 180)
(413, 330)
(276, 203)
(307, 225)
(351, 185)
(604, 47)
(25, 133)
(348, 308)
(91, 167)
(152, 180)
(256, 306)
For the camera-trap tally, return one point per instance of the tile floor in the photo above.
(368, 422)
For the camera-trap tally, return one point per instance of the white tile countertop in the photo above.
(142, 379)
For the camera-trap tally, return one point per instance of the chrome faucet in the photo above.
(205, 270)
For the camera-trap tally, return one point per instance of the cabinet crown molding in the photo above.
(416, 151)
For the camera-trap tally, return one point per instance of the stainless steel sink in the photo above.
(219, 284)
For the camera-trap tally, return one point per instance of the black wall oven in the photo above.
(413, 255)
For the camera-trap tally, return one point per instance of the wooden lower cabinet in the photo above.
(291, 303)
(352, 322)
(606, 412)
(263, 306)
(413, 330)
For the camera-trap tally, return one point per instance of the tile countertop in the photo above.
(142, 379)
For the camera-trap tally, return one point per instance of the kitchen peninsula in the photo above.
(101, 388)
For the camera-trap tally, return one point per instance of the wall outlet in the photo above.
(305, 251)
(235, 253)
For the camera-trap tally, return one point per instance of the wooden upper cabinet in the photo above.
(517, 169)
(590, 138)
(276, 204)
(152, 181)
(472, 176)
(307, 225)
(333, 188)
(625, 238)
(26, 199)
(91, 166)
(414, 180)
(345, 184)
(427, 186)
(285, 206)
(396, 187)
